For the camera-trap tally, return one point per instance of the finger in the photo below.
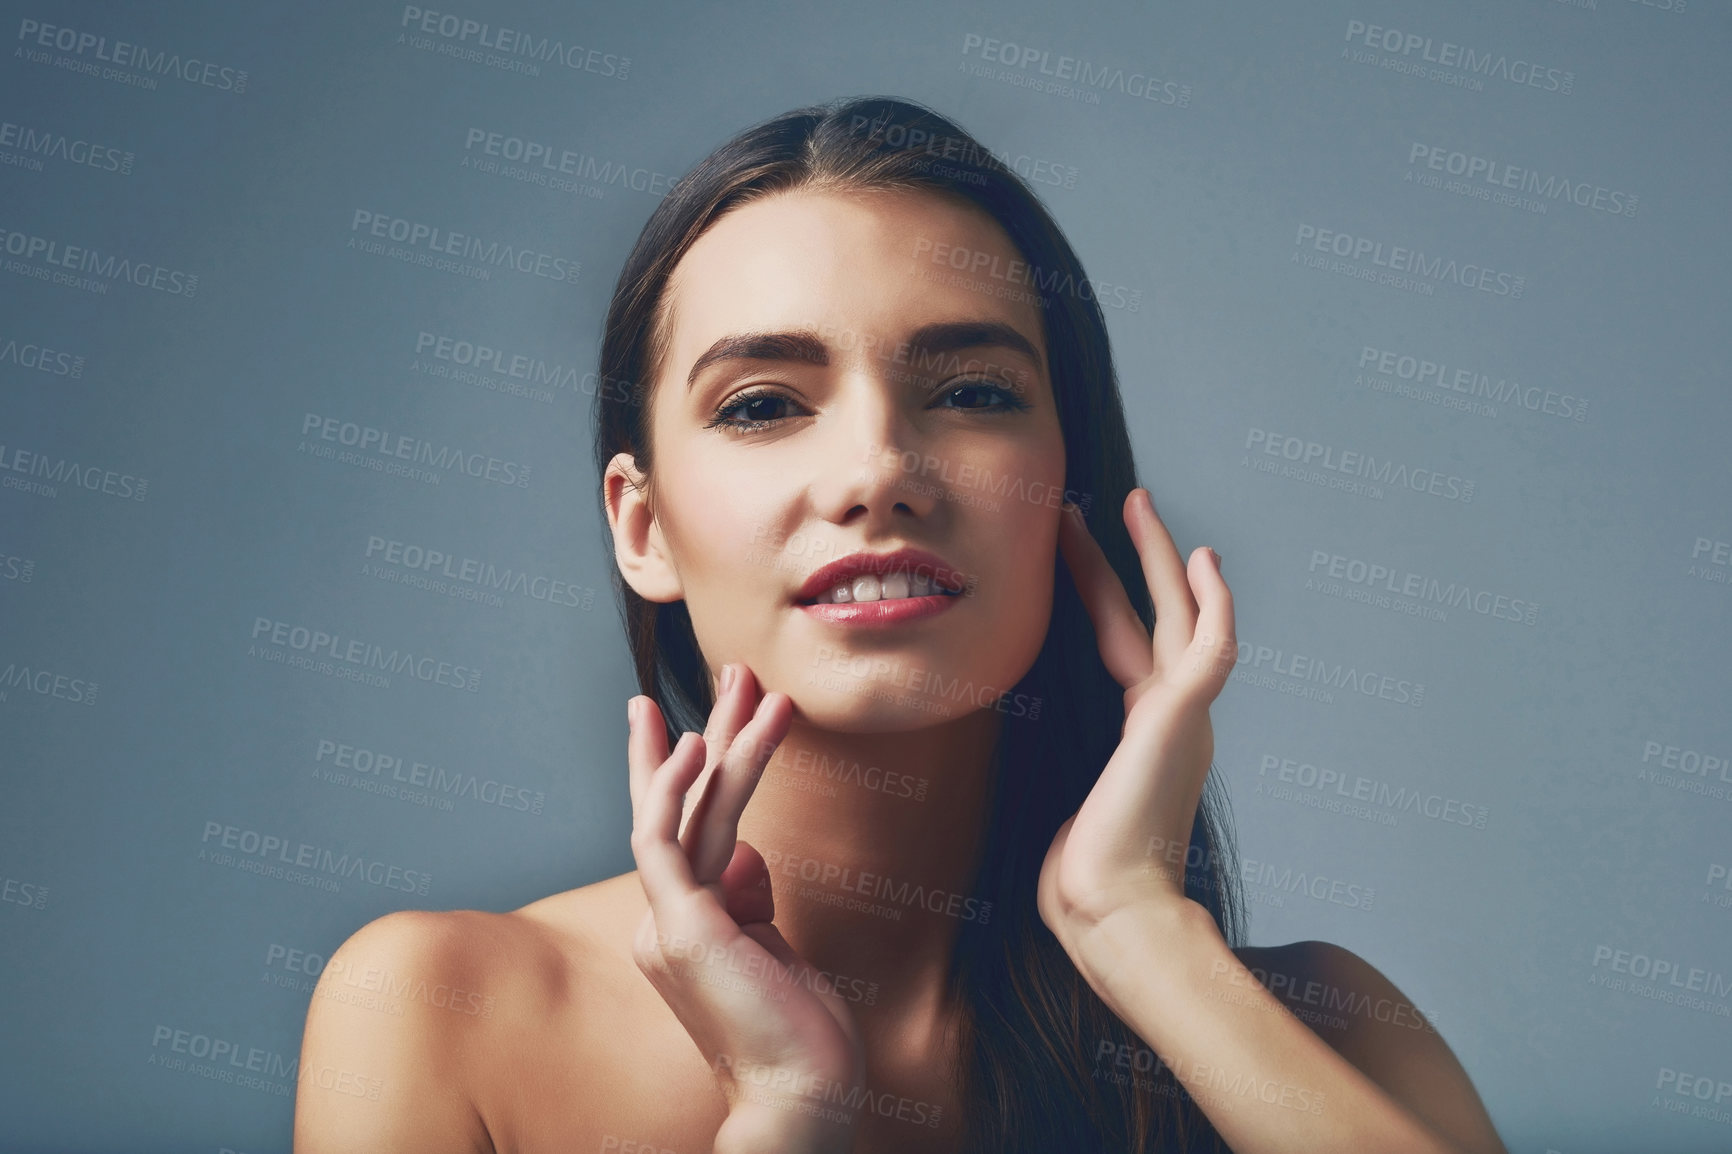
(1119, 632)
(646, 743)
(1215, 647)
(731, 788)
(734, 707)
(662, 865)
(768, 936)
(1175, 608)
(746, 883)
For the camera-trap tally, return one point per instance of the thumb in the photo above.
(746, 887)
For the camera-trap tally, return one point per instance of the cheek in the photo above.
(731, 549)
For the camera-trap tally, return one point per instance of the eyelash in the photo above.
(1014, 402)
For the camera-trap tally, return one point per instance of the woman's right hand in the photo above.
(785, 1050)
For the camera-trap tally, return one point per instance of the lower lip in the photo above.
(870, 613)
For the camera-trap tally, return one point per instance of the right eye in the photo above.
(758, 405)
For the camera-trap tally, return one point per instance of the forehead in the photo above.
(846, 264)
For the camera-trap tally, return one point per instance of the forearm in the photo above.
(1266, 1082)
(781, 1126)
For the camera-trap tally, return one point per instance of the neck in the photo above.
(873, 840)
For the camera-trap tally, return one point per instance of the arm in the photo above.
(1112, 891)
(1266, 1081)
(380, 1074)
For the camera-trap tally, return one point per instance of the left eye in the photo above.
(974, 389)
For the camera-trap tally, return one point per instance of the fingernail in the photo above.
(631, 712)
(727, 677)
(1215, 555)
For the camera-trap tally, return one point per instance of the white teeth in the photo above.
(866, 587)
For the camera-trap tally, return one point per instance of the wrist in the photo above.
(1123, 944)
(773, 1123)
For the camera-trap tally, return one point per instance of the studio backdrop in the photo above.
(306, 607)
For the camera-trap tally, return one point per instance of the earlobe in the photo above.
(639, 548)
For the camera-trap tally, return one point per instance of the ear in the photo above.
(639, 548)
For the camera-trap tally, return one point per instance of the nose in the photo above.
(866, 484)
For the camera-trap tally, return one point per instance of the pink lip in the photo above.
(913, 560)
(880, 613)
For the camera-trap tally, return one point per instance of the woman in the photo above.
(872, 502)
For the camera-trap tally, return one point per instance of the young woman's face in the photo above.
(851, 391)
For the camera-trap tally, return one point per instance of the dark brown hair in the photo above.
(1033, 1028)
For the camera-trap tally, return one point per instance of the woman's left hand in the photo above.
(1126, 846)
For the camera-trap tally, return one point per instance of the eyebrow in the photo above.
(806, 347)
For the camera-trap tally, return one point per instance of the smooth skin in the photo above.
(687, 1005)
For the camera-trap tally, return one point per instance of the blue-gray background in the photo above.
(1576, 700)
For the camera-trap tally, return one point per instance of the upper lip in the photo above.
(915, 561)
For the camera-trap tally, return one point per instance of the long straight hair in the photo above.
(1046, 1066)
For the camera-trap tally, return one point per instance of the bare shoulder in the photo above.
(1365, 1017)
(419, 1015)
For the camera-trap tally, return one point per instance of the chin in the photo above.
(896, 696)
(893, 711)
